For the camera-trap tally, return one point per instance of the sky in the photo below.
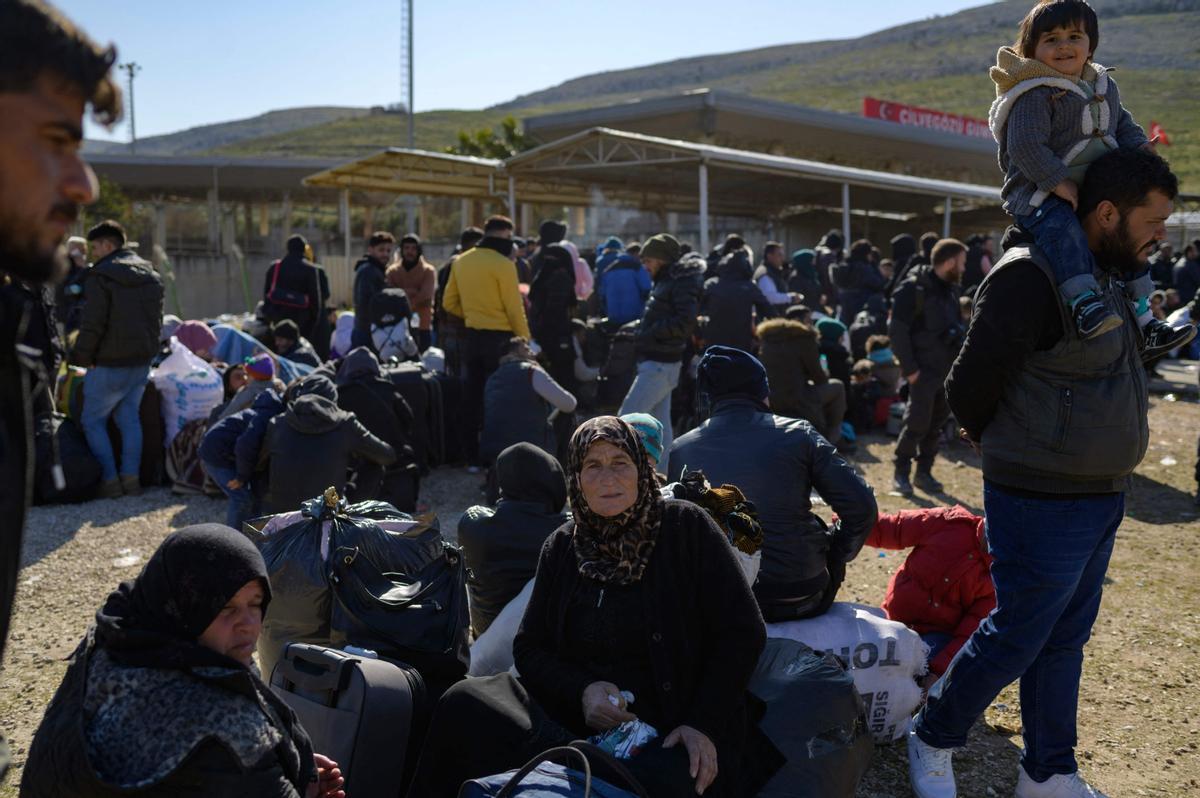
(218, 60)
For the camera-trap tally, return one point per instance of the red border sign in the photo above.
(915, 116)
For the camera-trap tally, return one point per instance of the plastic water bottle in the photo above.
(825, 364)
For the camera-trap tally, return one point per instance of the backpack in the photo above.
(285, 297)
(390, 307)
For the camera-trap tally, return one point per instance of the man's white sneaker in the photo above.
(1060, 785)
(930, 770)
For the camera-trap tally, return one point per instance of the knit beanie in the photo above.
(286, 328)
(726, 371)
(830, 329)
(662, 247)
(196, 336)
(260, 367)
(551, 232)
(650, 430)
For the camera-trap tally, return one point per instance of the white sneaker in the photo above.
(930, 770)
(1060, 785)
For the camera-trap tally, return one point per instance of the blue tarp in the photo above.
(234, 346)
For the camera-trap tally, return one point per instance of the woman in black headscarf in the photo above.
(639, 594)
(162, 696)
(501, 544)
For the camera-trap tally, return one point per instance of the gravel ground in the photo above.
(1139, 724)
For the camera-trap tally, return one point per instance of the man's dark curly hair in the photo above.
(37, 40)
(1125, 178)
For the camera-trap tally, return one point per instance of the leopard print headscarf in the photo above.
(613, 550)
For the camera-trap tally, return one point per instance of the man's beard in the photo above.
(1118, 253)
(20, 254)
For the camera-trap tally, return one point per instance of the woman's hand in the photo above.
(702, 755)
(598, 712)
(329, 779)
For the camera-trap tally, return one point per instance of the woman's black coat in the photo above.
(706, 633)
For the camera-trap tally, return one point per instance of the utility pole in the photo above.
(406, 66)
(132, 68)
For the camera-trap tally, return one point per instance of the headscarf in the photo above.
(339, 341)
(802, 263)
(584, 280)
(650, 430)
(525, 473)
(155, 620)
(617, 549)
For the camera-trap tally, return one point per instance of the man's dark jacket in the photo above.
(730, 300)
(672, 310)
(856, 280)
(1055, 415)
(235, 441)
(926, 325)
(310, 447)
(122, 313)
(369, 282)
(777, 462)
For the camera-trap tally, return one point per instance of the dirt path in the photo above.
(1139, 705)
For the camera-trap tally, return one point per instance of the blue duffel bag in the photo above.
(542, 778)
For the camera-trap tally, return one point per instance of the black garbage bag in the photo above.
(815, 718)
(58, 440)
(408, 603)
(296, 548)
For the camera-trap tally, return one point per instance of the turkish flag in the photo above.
(1158, 135)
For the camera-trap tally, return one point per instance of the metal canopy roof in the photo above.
(737, 120)
(242, 179)
(738, 180)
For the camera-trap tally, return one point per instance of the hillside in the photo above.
(208, 137)
(940, 62)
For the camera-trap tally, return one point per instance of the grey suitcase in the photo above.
(359, 712)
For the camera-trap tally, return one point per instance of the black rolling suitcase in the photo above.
(359, 712)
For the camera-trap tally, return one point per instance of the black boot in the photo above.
(900, 482)
(925, 481)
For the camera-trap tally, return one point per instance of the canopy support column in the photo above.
(512, 196)
(703, 208)
(946, 218)
(344, 214)
(846, 216)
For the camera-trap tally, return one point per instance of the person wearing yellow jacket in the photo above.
(483, 291)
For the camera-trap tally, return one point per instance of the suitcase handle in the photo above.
(315, 669)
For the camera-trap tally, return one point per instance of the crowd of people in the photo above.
(590, 384)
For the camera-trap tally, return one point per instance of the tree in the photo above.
(486, 143)
(112, 203)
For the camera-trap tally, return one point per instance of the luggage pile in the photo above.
(365, 575)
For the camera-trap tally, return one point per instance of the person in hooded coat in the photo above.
(624, 287)
(732, 303)
(290, 344)
(804, 280)
(162, 697)
(871, 320)
(378, 405)
(800, 388)
(229, 453)
(501, 543)
(551, 305)
(297, 278)
(417, 277)
(829, 254)
(311, 446)
(857, 280)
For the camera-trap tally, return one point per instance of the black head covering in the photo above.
(296, 245)
(155, 620)
(315, 383)
(728, 372)
(286, 328)
(525, 473)
(551, 232)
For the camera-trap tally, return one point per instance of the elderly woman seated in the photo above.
(637, 594)
(162, 696)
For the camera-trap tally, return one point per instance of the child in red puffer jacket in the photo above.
(944, 589)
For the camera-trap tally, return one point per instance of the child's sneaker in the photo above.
(1092, 318)
(1161, 338)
